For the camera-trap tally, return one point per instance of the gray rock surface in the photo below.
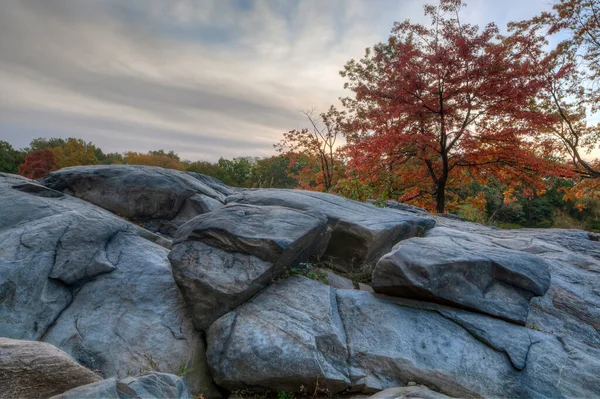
(465, 270)
(223, 258)
(160, 199)
(570, 307)
(104, 389)
(357, 340)
(281, 339)
(416, 391)
(334, 280)
(31, 369)
(360, 232)
(78, 277)
(148, 386)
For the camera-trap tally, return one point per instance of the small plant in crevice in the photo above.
(306, 270)
(182, 370)
(285, 395)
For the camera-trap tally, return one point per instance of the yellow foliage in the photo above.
(75, 152)
(164, 161)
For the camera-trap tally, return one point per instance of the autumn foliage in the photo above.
(38, 164)
(571, 71)
(438, 106)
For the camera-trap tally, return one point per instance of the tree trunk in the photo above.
(440, 196)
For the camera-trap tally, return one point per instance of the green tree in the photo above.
(238, 170)
(10, 159)
(273, 172)
(42, 143)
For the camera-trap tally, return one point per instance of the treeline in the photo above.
(46, 155)
(549, 209)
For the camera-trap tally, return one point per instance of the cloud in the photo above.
(206, 78)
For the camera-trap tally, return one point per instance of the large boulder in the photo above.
(571, 305)
(464, 270)
(31, 369)
(299, 331)
(223, 258)
(148, 386)
(159, 199)
(78, 277)
(360, 233)
(291, 335)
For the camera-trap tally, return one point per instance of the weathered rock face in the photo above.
(153, 385)
(78, 277)
(360, 232)
(334, 280)
(223, 258)
(160, 199)
(466, 270)
(299, 328)
(570, 306)
(284, 338)
(416, 391)
(38, 370)
(101, 289)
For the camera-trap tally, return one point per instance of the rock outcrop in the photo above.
(148, 386)
(30, 369)
(78, 277)
(466, 270)
(223, 258)
(160, 199)
(359, 232)
(462, 309)
(299, 330)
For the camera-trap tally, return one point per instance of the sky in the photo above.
(205, 78)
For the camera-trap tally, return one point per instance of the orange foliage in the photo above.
(438, 107)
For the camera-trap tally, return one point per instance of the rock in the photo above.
(406, 208)
(465, 270)
(411, 391)
(360, 232)
(223, 258)
(333, 280)
(149, 386)
(213, 183)
(361, 341)
(567, 309)
(78, 277)
(365, 287)
(31, 369)
(104, 389)
(288, 336)
(160, 199)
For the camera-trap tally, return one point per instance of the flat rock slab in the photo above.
(416, 391)
(30, 369)
(464, 270)
(80, 278)
(299, 329)
(360, 232)
(160, 199)
(223, 258)
(148, 386)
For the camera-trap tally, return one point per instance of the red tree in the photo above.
(437, 106)
(38, 164)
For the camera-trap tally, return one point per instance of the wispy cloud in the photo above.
(206, 78)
